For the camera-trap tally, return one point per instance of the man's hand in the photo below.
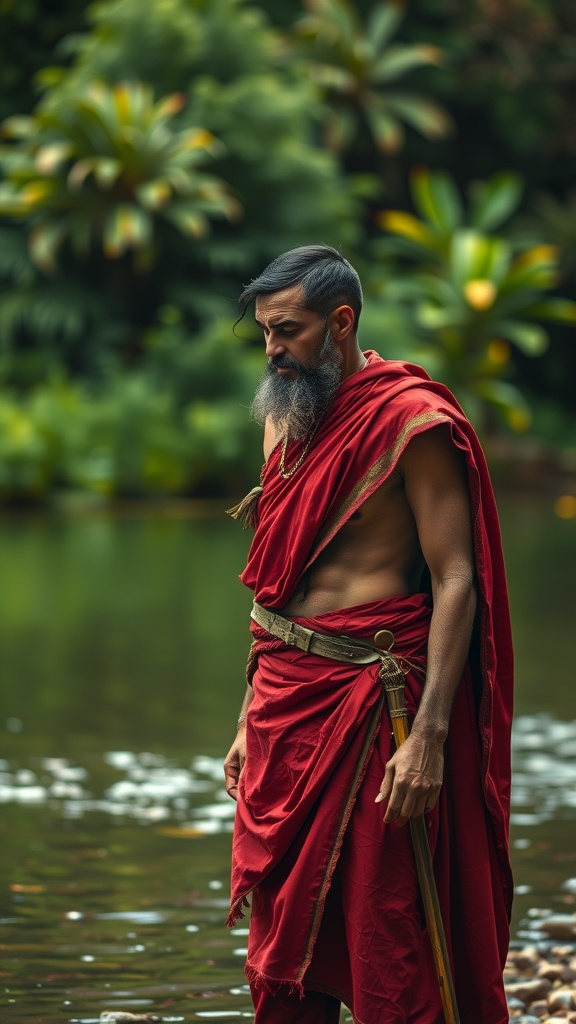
(413, 778)
(234, 763)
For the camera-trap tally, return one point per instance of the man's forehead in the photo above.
(289, 303)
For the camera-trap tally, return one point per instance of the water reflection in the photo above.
(101, 911)
(152, 789)
(191, 800)
(122, 672)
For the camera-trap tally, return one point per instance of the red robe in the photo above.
(318, 737)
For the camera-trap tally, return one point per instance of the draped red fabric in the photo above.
(318, 738)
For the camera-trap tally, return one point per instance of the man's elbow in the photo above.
(458, 584)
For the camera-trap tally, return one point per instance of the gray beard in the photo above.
(297, 405)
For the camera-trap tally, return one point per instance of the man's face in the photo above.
(304, 364)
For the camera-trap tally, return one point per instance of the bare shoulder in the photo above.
(437, 491)
(433, 457)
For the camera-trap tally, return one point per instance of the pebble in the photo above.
(528, 991)
(559, 926)
(561, 999)
(524, 959)
(539, 1009)
(540, 979)
(554, 972)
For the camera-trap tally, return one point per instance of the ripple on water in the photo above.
(544, 769)
(151, 789)
(132, 920)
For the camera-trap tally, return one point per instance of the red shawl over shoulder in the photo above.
(314, 726)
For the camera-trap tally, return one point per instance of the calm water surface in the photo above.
(123, 641)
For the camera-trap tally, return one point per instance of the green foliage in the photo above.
(556, 427)
(103, 168)
(288, 188)
(31, 31)
(178, 145)
(261, 111)
(554, 220)
(135, 199)
(358, 66)
(474, 295)
(131, 441)
(168, 43)
(213, 365)
(27, 451)
(45, 325)
(177, 426)
(509, 84)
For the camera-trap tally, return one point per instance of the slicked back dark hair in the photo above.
(327, 279)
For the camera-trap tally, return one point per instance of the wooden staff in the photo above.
(393, 680)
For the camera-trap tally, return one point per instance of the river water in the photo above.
(123, 640)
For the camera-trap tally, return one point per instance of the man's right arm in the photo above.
(236, 757)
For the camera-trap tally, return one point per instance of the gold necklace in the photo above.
(287, 473)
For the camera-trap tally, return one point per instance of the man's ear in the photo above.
(341, 323)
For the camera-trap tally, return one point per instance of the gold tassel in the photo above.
(245, 510)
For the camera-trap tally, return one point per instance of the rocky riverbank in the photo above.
(540, 978)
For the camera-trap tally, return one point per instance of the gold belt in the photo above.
(339, 648)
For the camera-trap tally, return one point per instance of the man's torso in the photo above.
(375, 555)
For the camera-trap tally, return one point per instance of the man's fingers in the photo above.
(232, 772)
(231, 775)
(411, 783)
(420, 807)
(409, 800)
(399, 806)
(387, 783)
(230, 783)
(431, 802)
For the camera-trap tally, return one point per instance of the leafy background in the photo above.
(154, 157)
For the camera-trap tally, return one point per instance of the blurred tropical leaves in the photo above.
(358, 67)
(474, 295)
(226, 59)
(104, 168)
(555, 221)
(159, 155)
(121, 197)
(63, 323)
(127, 441)
(137, 436)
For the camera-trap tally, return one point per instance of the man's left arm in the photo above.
(436, 486)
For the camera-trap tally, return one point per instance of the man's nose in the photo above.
(274, 346)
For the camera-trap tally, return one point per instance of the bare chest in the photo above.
(375, 554)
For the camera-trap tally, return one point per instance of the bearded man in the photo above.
(375, 513)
